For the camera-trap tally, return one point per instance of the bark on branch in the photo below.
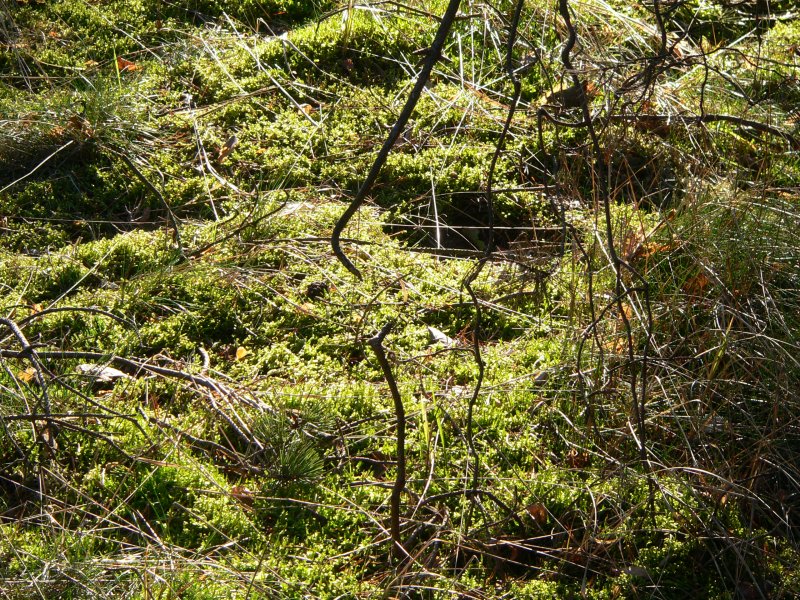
(432, 56)
(376, 343)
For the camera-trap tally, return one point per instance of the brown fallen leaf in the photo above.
(27, 375)
(695, 286)
(538, 513)
(124, 65)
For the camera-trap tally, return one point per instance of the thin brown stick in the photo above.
(376, 343)
(433, 55)
(28, 352)
(171, 215)
(138, 366)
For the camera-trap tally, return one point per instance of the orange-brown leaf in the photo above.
(126, 65)
(538, 512)
(695, 286)
(27, 375)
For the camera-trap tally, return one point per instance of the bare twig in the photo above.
(170, 214)
(37, 167)
(28, 352)
(137, 366)
(376, 343)
(433, 55)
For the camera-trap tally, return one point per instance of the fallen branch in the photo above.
(138, 366)
(47, 435)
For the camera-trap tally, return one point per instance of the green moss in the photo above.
(155, 473)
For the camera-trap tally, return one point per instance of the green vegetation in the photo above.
(170, 177)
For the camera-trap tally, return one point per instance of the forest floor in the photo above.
(589, 382)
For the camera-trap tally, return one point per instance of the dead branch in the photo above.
(433, 55)
(376, 343)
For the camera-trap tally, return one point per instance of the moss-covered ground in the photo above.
(583, 419)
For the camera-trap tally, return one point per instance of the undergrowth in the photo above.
(598, 369)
